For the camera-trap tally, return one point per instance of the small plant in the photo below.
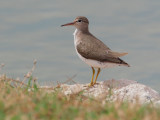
(25, 100)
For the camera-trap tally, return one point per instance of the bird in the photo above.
(93, 51)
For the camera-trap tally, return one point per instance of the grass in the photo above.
(28, 102)
(24, 100)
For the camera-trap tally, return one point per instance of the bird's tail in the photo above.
(124, 63)
(117, 54)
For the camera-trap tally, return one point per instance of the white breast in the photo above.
(90, 62)
(75, 39)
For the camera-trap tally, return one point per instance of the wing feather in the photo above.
(92, 48)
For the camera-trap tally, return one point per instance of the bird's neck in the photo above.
(79, 32)
(83, 29)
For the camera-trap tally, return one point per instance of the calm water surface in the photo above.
(31, 30)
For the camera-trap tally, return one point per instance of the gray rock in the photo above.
(115, 90)
(135, 93)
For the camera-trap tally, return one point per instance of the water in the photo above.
(31, 30)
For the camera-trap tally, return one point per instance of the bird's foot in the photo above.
(91, 84)
(95, 83)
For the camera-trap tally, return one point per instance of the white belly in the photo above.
(90, 62)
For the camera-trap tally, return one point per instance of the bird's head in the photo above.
(80, 23)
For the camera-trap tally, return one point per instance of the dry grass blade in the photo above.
(29, 74)
(70, 79)
(1, 66)
(6, 79)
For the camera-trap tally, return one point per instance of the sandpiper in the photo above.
(93, 51)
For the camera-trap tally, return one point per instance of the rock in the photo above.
(135, 92)
(115, 90)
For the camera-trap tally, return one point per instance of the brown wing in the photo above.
(97, 50)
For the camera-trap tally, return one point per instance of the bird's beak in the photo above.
(72, 23)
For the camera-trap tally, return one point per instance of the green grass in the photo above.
(19, 103)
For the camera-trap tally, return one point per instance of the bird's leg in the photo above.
(92, 77)
(99, 70)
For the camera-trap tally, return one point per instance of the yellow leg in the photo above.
(99, 70)
(92, 77)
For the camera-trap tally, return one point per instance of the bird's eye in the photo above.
(79, 21)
